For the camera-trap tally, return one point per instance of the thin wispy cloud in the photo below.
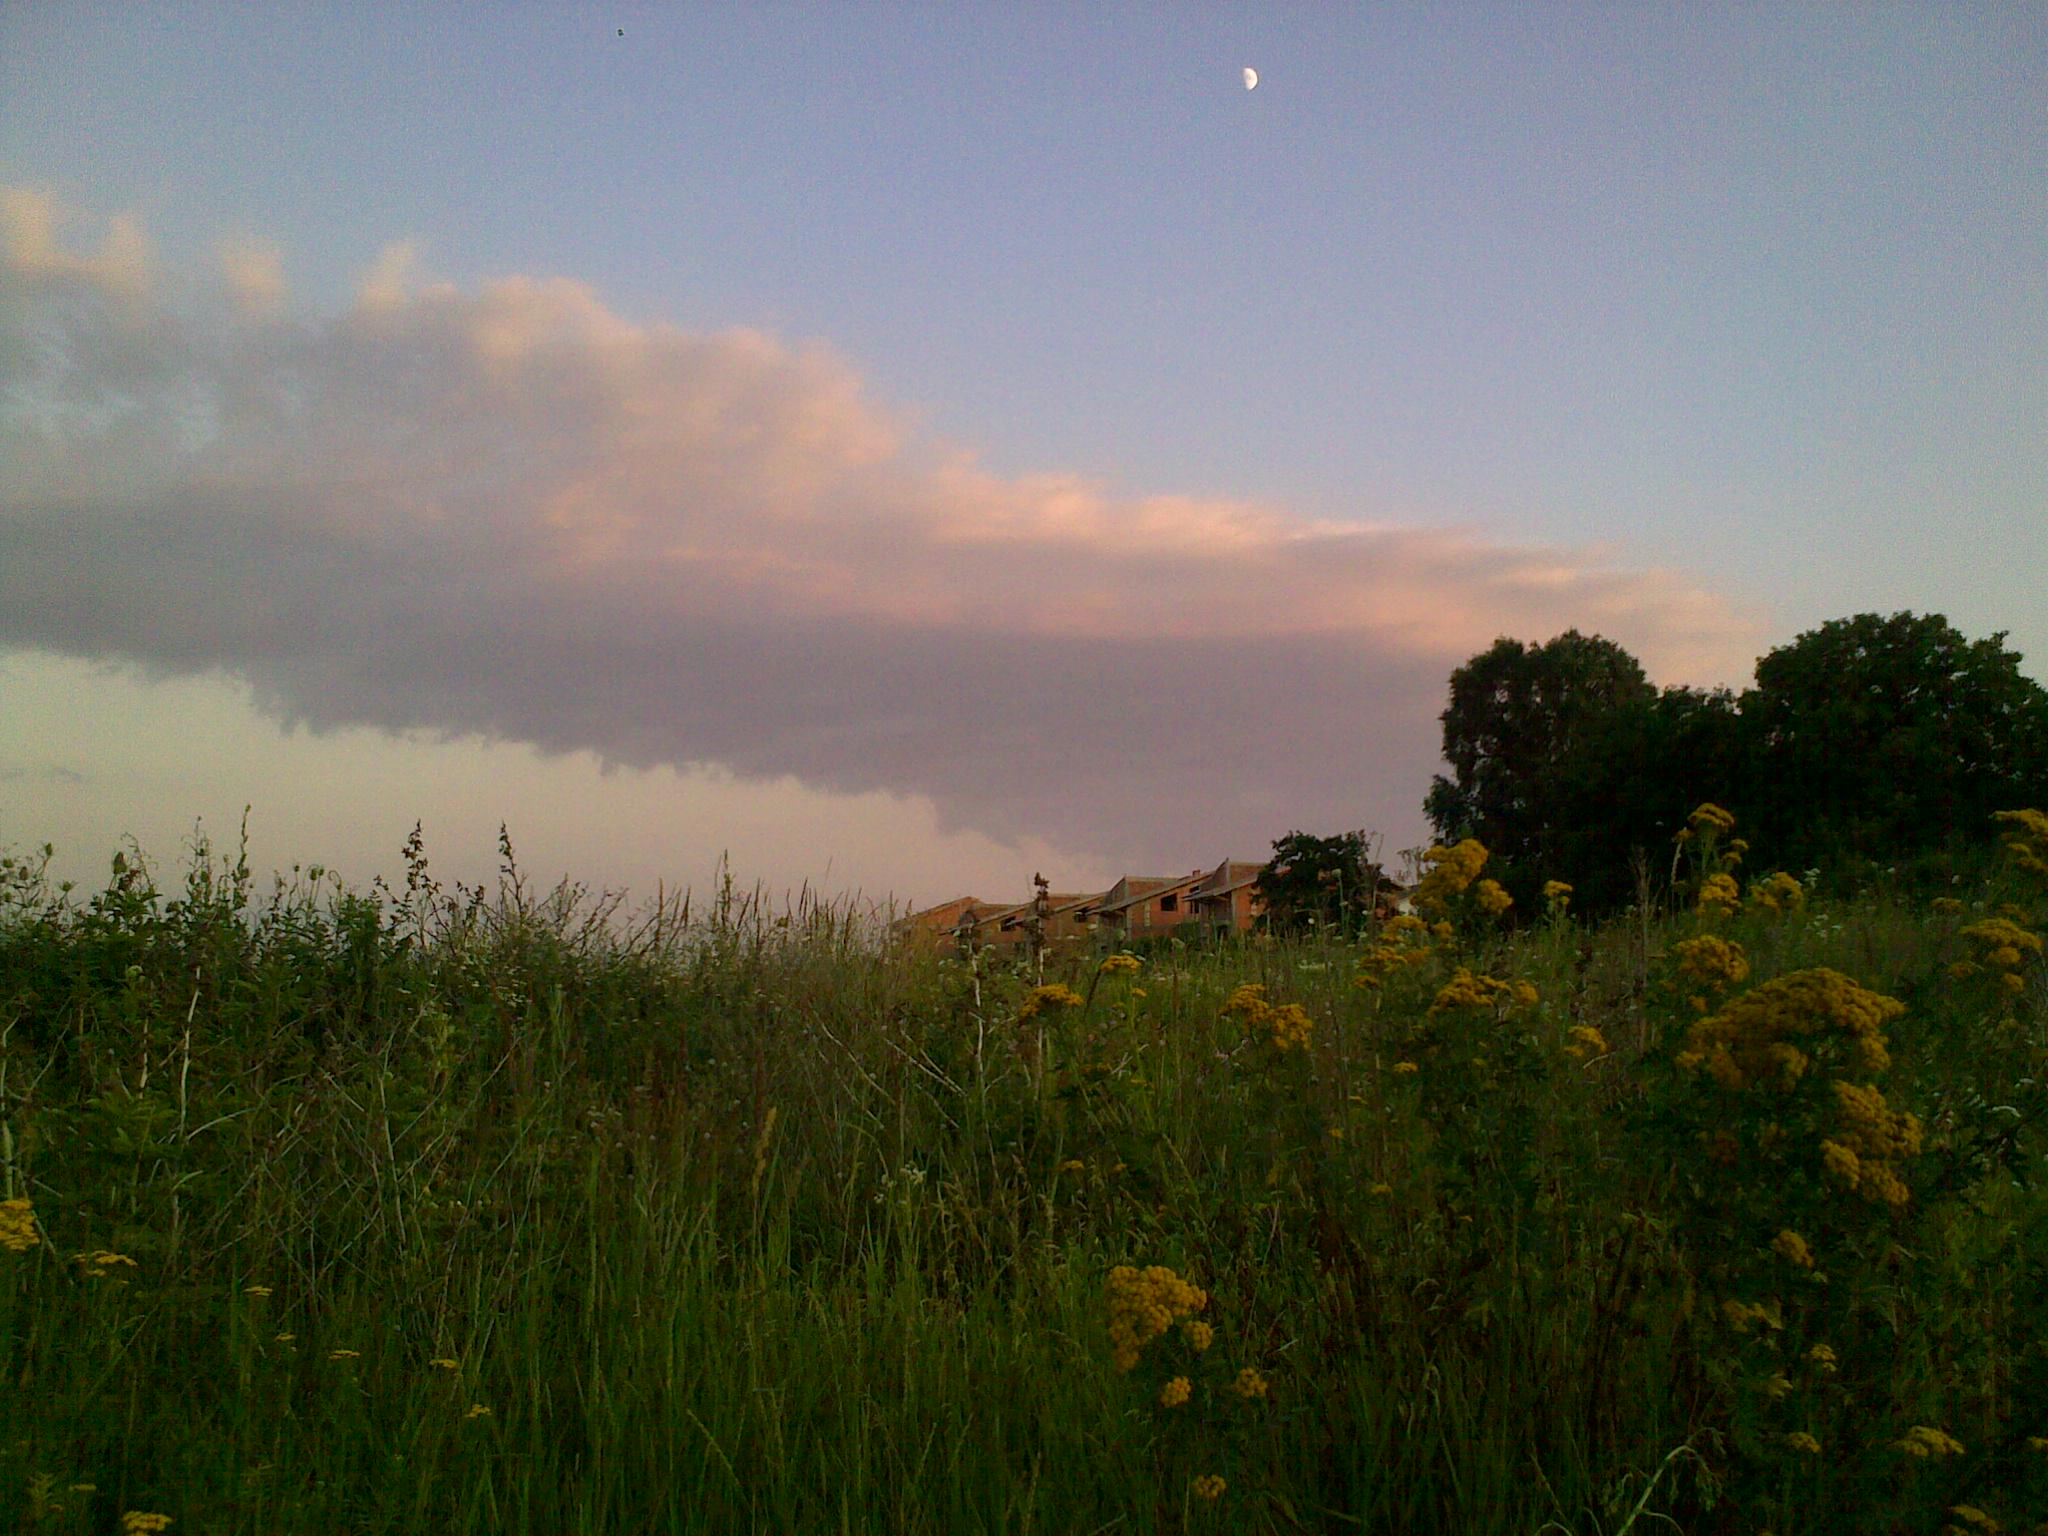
(514, 511)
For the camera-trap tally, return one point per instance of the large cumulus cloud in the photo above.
(515, 512)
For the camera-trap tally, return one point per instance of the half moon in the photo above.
(1251, 79)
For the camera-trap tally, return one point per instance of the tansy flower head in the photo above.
(1143, 1304)
(2028, 843)
(1451, 873)
(256, 1290)
(1718, 894)
(1975, 1519)
(1403, 1068)
(1800, 1440)
(1493, 898)
(1209, 1487)
(1780, 893)
(1053, 995)
(1790, 1246)
(1176, 1392)
(1198, 1334)
(18, 1231)
(1923, 1442)
(445, 1364)
(1585, 1041)
(136, 1523)
(1120, 965)
(1821, 1358)
(1709, 817)
(1249, 1384)
(477, 1411)
(1556, 896)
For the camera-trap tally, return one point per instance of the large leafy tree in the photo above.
(1519, 717)
(1328, 880)
(1880, 737)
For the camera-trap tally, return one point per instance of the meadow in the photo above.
(415, 1210)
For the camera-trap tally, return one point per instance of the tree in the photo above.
(1518, 714)
(1326, 880)
(1882, 737)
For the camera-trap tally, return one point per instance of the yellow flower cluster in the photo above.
(1556, 897)
(1718, 894)
(1176, 1392)
(1467, 990)
(1780, 893)
(1404, 942)
(1585, 1041)
(1974, 1518)
(1873, 1136)
(1709, 817)
(1208, 1486)
(135, 1523)
(1822, 1359)
(1198, 1334)
(1945, 906)
(1711, 960)
(1493, 898)
(1249, 1384)
(1741, 1315)
(1287, 1025)
(2029, 843)
(1790, 1246)
(1800, 1440)
(477, 1411)
(1924, 1442)
(1121, 965)
(99, 1263)
(2002, 948)
(18, 1231)
(1750, 1039)
(1451, 873)
(1143, 1304)
(1053, 995)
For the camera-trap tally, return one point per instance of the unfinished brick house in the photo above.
(941, 926)
(1141, 906)
(1226, 899)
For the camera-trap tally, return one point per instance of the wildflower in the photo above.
(1800, 1440)
(1556, 897)
(1585, 1041)
(1054, 995)
(1822, 1358)
(1451, 873)
(1776, 1386)
(1467, 990)
(1493, 898)
(1249, 1384)
(1526, 995)
(1143, 1304)
(1945, 906)
(1923, 1442)
(344, 1354)
(1780, 893)
(1442, 930)
(1291, 1026)
(1712, 960)
(136, 1523)
(1175, 1392)
(1073, 1165)
(1198, 1334)
(1790, 1246)
(100, 1262)
(1971, 1515)
(1742, 1043)
(445, 1364)
(2029, 843)
(256, 1290)
(1709, 817)
(1718, 894)
(1403, 1068)
(1208, 1486)
(285, 1338)
(18, 1226)
(1121, 965)
(477, 1411)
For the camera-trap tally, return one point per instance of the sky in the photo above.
(900, 449)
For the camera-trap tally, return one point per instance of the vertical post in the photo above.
(1041, 909)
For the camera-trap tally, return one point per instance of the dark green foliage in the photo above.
(1878, 738)
(1331, 882)
(1518, 716)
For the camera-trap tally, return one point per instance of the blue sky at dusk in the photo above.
(902, 445)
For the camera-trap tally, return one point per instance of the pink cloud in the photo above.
(513, 511)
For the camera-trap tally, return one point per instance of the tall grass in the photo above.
(415, 1211)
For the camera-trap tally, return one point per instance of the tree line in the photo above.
(1871, 741)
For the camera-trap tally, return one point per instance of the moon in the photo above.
(1251, 78)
